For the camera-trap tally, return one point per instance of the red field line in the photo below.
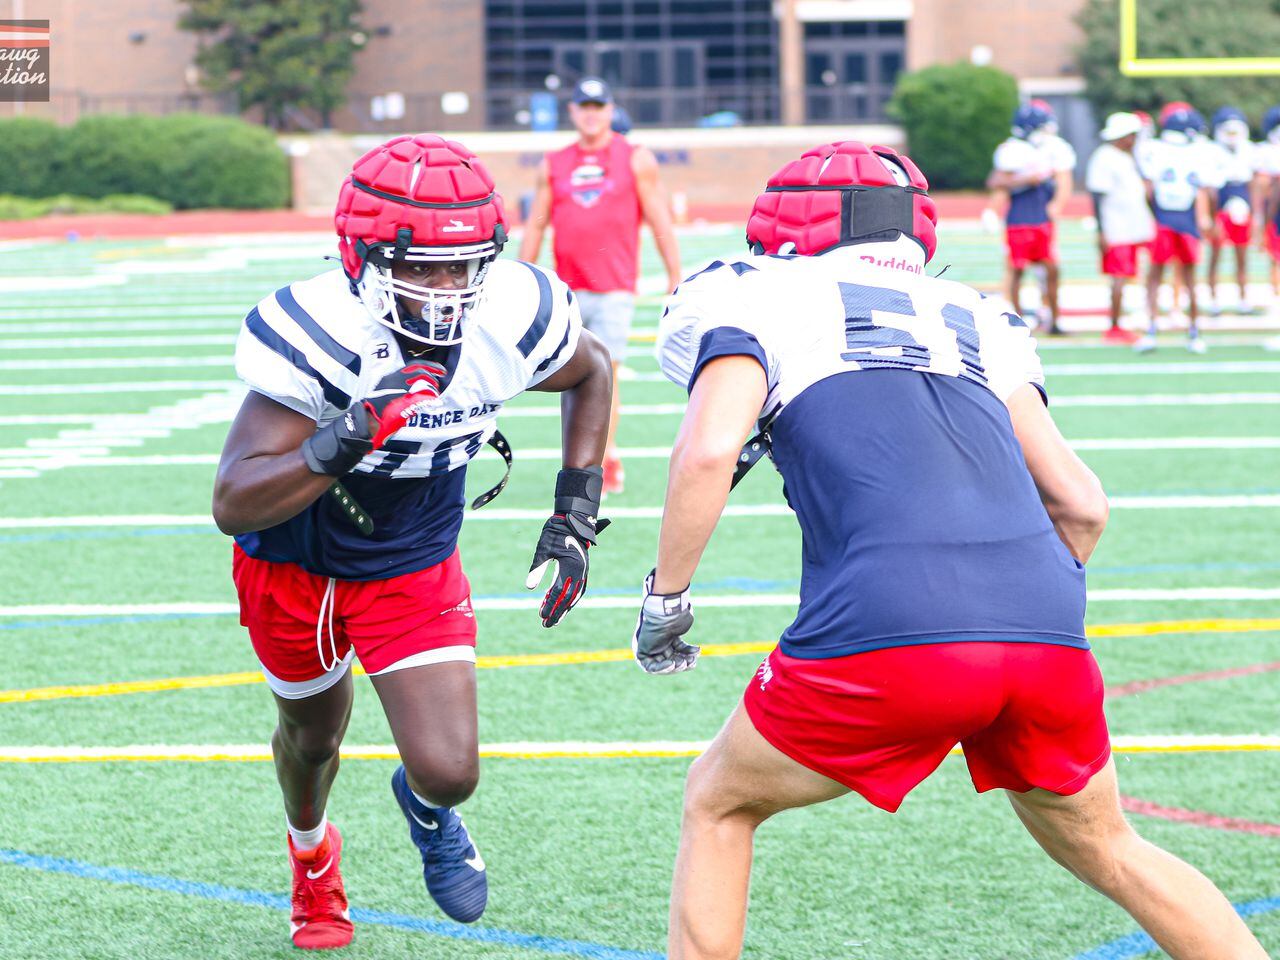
(1141, 686)
(1198, 818)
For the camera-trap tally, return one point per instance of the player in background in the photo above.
(389, 374)
(1031, 167)
(946, 524)
(1269, 206)
(594, 193)
(1120, 205)
(1234, 202)
(1176, 167)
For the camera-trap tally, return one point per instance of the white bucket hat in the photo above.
(1120, 125)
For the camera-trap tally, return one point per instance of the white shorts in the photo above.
(608, 316)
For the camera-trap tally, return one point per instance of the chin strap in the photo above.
(761, 445)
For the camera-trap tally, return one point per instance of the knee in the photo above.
(1104, 863)
(444, 780)
(312, 746)
(709, 798)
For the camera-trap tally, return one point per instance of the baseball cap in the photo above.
(1120, 125)
(592, 90)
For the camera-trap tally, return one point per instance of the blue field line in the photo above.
(1139, 944)
(276, 901)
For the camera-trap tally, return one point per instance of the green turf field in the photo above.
(117, 578)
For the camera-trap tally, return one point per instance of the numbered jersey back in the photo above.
(809, 318)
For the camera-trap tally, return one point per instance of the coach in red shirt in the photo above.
(594, 193)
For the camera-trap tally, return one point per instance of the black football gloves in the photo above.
(340, 444)
(567, 536)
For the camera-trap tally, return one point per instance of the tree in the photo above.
(955, 115)
(1176, 28)
(278, 54)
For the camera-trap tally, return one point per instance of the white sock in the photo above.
(424, 801)
(304, 840)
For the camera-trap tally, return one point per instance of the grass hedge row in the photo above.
(190, 161)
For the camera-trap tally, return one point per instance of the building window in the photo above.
(670, 62)
(851, 68)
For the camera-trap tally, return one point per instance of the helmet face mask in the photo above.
(439, 321)
(419, 200)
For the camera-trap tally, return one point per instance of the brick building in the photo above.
(506, 64)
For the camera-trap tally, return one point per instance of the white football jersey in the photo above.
(313, 347)
(866, 307)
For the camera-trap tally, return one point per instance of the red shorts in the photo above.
(1027, 715)
(1121, 260)
(1232, 233)
(414, 619)
(1031, 244)
(1273, 241)
(1172, 245)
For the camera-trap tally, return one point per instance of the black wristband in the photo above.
(578, 491)
(335, 448)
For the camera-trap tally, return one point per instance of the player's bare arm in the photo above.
(1071, 493)
(655, 207)
(725, 402)
(1009, 180)
(263, 478)
(539, 217)
(585, 384)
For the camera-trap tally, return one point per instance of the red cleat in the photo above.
(1118, 335)
(320, 919)
(614, 475)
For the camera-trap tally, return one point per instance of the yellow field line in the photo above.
(242, 678)
(545, 751)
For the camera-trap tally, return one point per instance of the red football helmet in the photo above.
(840, 194)
(418, 199)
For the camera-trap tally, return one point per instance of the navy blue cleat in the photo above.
(451, 863)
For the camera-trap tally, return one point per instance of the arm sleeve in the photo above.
(1009, 157)
(706, 318)
(552, 343)
(1009, 354)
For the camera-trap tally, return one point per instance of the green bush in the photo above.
(954, 115)
(188, 160)
(31, 157)
(28, 208)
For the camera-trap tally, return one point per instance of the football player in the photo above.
(1237, 159)
(946, 524)
(371, 388)
(1034, 167)
(1269, 181)
(1180, 175)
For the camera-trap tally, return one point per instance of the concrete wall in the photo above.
(717, 172)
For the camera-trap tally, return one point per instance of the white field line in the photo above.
(27, 316)
(1159, 369)
(711, 601)
(677, 409)
(81, 343)
(555, 749)
(147, 386)
(490, 515)
(119, 363)
(225, 324)
(44, 455)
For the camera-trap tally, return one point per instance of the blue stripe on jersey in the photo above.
(442, 457)
(921, 523)
(398, 451)
(726, 342)
(284, 297)
(738, 268)
(563, 343)
(278, 344)
(543, 317)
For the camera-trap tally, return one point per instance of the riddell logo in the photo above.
(457, 226)
(893, 263)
